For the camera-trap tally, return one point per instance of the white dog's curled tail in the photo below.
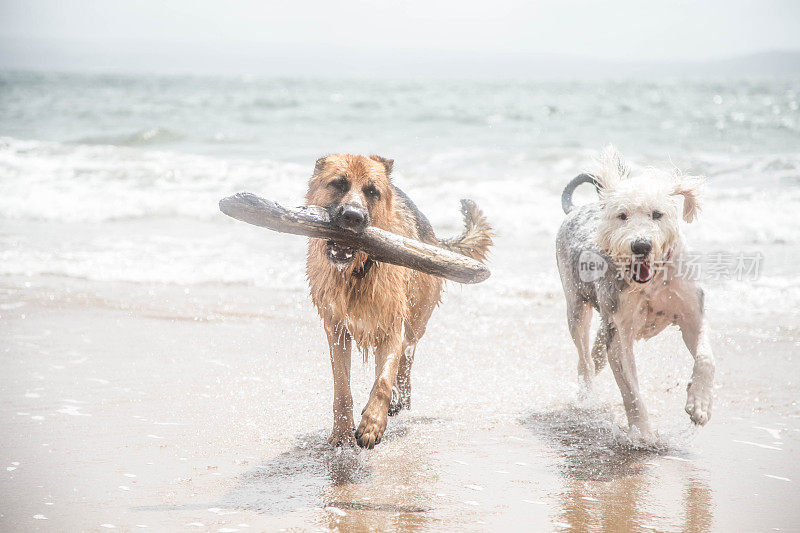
(566, 196)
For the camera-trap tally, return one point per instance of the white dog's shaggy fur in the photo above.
(635, 230)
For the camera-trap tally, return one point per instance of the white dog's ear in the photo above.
(613, 168)
(690, 188)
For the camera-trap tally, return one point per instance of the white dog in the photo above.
(620, 256)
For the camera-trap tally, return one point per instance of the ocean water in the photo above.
(164, 365)
(117, 178)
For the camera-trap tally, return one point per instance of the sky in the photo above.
(297, 36)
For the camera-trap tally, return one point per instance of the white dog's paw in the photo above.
(642, 436)
(585, 396)
(698, 402)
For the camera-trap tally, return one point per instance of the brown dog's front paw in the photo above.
(342, 436)
(370, 430)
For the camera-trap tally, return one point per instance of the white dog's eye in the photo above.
(622, 216)
(657, 214)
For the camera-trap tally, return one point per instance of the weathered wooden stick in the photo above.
(380, 245)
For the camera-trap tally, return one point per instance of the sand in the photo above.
(133, 406)
(162, 365)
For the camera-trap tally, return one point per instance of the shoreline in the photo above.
(223, 421)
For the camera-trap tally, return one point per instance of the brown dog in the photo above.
(382, 307)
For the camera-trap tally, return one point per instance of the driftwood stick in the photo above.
(380, 245)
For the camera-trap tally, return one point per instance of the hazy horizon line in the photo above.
(308, 61)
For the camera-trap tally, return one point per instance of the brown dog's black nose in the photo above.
(641, 247)
(352, 217)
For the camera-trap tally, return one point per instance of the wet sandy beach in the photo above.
(207, 408)
(162, 366)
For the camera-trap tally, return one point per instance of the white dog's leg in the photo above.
(701, 387)
(623, 364)
(579, 319)
(599, 349)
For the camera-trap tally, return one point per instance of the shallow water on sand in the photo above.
(177, 409)
(163, 367)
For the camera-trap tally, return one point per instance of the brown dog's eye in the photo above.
(372, 192)
(622, 216)
(657, 214)
(340, 184)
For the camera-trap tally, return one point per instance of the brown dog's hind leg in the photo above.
(375, 414)
(340, 342)
(401, 392)
(425, 292)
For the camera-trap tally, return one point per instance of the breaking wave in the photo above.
(148, 137)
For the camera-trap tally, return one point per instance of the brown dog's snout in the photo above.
(352, 217)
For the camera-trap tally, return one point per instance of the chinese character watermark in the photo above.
(696, 266)
(720, 266)
(591, 266)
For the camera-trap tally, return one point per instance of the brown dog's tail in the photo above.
(477, 237)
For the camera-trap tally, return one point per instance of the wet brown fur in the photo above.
(386, 310)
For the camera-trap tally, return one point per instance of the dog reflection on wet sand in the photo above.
(380, 307)
(609, 482)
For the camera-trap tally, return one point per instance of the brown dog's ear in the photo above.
(689, 187)
(387, 163)
(320, 164)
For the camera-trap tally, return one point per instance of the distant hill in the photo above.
(763, 64)
(346, 62)
(776, 63)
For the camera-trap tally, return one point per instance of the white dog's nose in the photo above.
(641, 247)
